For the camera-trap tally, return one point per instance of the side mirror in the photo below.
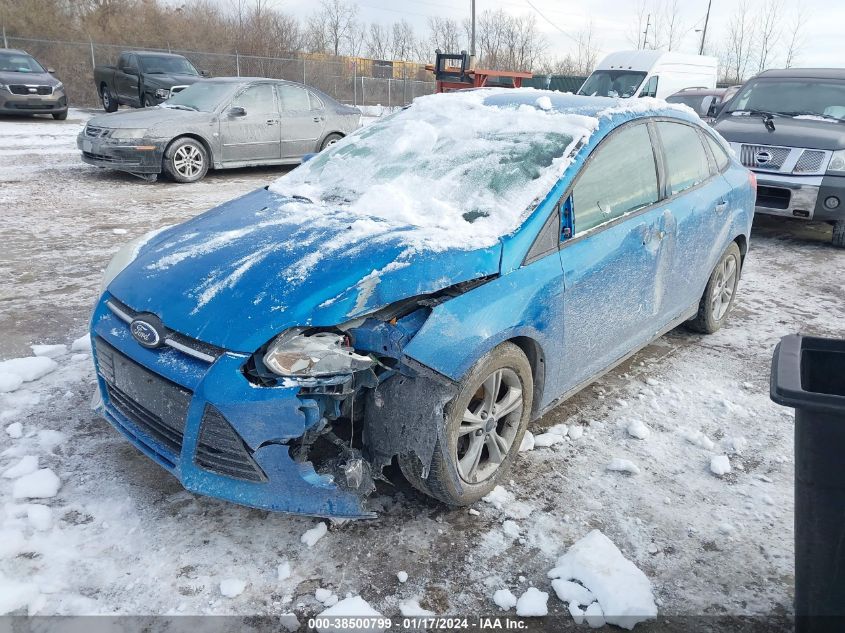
(236, 111)
(205, 73)
(52, 71)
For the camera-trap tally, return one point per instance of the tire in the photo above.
(470, 430)
(185, 160)
(719, 295)
(839, 234)
(144, 103)
(109, 102)
(330, 140)
(60, 116)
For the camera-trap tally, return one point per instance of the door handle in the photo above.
(272, 121)
(721, 206)
(317, 119)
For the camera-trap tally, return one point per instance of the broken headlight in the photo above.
(296, 354)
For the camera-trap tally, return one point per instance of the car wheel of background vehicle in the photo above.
(109, 102)
(144, 102)
(60, 116)
(718, 298)
(839, 234)
(485, 423)
(186, 160)
(330, 140)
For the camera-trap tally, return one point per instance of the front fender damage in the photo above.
(357, 423)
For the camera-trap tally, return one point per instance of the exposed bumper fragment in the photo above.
(137, 157)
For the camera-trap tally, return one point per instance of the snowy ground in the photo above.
(121, 536)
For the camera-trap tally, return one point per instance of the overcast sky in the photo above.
(613, 20)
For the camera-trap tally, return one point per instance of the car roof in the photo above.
(568, 103)
(152, 54)
(804, 73)
(13, 51)
(699, 92)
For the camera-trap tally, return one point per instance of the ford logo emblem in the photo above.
(147, 333)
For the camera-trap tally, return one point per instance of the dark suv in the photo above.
(788, 126)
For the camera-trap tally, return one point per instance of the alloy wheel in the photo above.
(188, 161)
(724, 288)
(489, 426)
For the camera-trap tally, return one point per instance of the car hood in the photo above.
(243, 272)
(150, 117)
(170, 80)
(35, 79)
(789, 132)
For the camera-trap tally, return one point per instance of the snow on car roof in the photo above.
(456, 170)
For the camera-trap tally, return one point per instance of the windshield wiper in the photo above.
(179, 106)
(808, 113)
(767, 116)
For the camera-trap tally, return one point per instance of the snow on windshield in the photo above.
(448, 172)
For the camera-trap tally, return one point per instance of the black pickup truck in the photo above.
(142, 79)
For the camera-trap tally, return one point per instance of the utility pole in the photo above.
(472, 36)
(645, 33)
(6, 43)
(704, 32)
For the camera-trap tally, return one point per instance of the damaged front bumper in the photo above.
(217, 433)
(205, 417)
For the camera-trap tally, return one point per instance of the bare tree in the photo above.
(795, 36)
(445, 34)
(769, 32)
(658, 25)
(507, 42)
(333, 28)
(403, 41)
(378, 41)
(642, 16)
(739, 43)
(587, 52)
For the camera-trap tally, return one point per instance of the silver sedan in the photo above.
(218, 124)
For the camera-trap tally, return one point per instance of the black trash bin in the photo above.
(808, 374)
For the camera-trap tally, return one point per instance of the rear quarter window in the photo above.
(686, 158)
(719, 153)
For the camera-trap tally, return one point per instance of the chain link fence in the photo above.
(351, 80)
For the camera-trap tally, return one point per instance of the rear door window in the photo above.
(686, 157)
(619, 178)
(294, 98)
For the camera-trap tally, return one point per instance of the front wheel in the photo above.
(485, 423)
(718, 298)
(186, 160)
(144, 102)
(60, 116)
(839, 233)
(109, 102)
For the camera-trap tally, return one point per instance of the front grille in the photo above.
(154, 405)
(749, 156)
(810, 162)
(31, 106)
(93, 131)
(110, 159)
(19, 89)
(221, 450)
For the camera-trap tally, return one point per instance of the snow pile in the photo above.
(232, 587)
(504, 500)
(620, 465)
(527, 443)
(16, 371)
(399, 176)
(27, 464)
(720, 465)
(402, 576)
(504, 599)
(353, 607)
(533, 603)
(326, 597)
(40, 484)
(310, 537)
(638, 430)
(50, 351)
(545, 440)
(283, 571)
(696, 437)
(622, 592)
(15, 429)
(411, 608)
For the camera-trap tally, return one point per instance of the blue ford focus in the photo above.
(419, 292)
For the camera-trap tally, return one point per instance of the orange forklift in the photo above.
(452, 71)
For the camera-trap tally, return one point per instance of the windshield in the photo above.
(158, 64)
(612, 83)
(793, 97)
(19, 63)
(450, 166)
(204, 96)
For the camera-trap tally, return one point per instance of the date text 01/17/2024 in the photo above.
(415, 623)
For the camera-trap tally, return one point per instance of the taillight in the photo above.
(752, 179)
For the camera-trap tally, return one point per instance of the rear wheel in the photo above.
(109, 102)
(839, 233)
(485, 423)
(330, 140)
(144, 101)
(718, 298)
(185, 160)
